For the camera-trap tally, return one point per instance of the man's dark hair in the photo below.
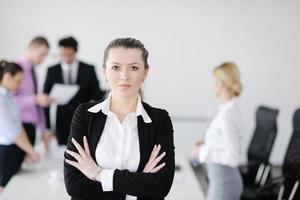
(68, 42)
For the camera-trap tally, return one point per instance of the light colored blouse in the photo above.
(222, 144)
(10, 121)
(118, 147)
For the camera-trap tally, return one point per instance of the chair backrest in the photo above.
(291, 165)
(264, 135)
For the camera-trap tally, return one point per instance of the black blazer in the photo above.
(146, 186)
(88, 90)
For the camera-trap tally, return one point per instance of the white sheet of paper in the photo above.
(63, 93)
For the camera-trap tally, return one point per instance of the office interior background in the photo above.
(186, 40)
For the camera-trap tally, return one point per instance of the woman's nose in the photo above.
(124, 75)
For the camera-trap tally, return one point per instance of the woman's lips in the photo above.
(124, 85)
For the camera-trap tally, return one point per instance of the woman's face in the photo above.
(125, 71)
(218, 86)
(11, 82)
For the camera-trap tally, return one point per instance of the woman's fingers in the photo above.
(155, 153)
(86, 146)
(78, 147)
(157, 160)
(152, 153)
(73, 163)
(154, 159)
(156, 169)
(152, 156)
(73, 154)
(157, 150)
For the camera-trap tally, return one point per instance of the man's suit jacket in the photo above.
(88, 90)
(146, 186)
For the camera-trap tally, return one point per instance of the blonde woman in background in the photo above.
(221, 148)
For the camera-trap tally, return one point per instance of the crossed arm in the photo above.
(82, 174)
(85, 163)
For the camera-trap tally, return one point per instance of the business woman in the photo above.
(221, 149)
(121, 148)
(13, 139)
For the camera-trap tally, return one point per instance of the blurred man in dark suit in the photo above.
(71, 71)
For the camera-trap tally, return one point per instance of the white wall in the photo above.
(186, 39)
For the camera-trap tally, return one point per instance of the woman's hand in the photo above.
(47, 137)
(151, 166)
(85, 162)
(196, 149)
(32, 157)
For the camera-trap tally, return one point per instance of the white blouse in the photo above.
(222, 142)
(118, 147)
(10, 120)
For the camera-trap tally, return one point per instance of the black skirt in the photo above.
(11, 158)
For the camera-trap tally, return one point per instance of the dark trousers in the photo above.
(12, 157)
(30, 130)
(63, 122)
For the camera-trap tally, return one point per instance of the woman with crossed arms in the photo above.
(121, 148)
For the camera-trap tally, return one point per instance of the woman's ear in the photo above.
(6, 77)
(145, 74)
(104, 73)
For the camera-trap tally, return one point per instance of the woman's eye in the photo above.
(134, 68)
(115, 67)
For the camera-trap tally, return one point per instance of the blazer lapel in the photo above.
(144, 132)
(96, 126)
(79, 72)
(60, 74)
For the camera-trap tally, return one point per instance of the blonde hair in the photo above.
(228, 73)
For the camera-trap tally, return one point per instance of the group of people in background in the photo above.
(24, 111)
(117, 147)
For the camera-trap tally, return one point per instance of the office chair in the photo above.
(287, 186)
(257, 171)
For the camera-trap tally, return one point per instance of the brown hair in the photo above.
(39, 41)
(128, 43)
(9, 67)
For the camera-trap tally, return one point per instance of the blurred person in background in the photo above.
(31, 103)
(13, 138)
(70, 71)
(221, 148)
